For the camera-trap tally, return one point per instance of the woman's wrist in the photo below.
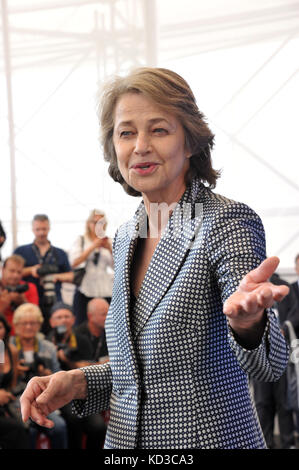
(79, 384)
(249, 336)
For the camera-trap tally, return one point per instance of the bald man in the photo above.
(94, 330)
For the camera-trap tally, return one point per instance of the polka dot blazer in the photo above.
(177, 378)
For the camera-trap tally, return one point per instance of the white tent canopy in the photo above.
(241, 59)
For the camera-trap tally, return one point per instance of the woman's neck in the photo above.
(159, 210)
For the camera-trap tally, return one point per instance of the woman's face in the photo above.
(28, 326)
(150, 147)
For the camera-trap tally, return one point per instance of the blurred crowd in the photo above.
(43, 332)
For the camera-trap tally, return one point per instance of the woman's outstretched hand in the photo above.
(245, 307)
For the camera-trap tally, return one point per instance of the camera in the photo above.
(19, 289)
(46, 272)
(59, 332)
(33, 367)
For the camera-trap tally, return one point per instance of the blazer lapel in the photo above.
(121, 298)
(181, 235)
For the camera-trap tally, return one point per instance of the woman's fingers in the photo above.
(39, 416)
(265, 298)
(232, 305)
(280, 292)
(26, 400)
(263, 272)
(29, 406)
(34, 388)
(248, 303)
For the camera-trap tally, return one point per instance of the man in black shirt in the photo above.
(93, 330)
(72, 348)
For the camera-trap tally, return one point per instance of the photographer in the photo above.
(72, 348)
(42, 262)
(94, 330)
(14, 291)
(37, 357)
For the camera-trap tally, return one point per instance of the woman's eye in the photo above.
(125, 133)
(159, 130)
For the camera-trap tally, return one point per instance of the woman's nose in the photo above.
(142, 143)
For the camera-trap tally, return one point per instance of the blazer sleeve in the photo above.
(236, 245)
(99, 387)
(99, 384)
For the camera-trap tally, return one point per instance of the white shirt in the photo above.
(98, 279)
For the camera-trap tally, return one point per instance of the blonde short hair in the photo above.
(23, 309)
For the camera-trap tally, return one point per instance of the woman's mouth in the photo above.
(145, 168)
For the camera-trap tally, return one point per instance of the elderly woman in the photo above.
(37, 357)
(94, 254)
(190, 316)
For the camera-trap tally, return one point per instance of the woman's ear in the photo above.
(188, 153)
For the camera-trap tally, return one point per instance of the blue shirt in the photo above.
(53, 256)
